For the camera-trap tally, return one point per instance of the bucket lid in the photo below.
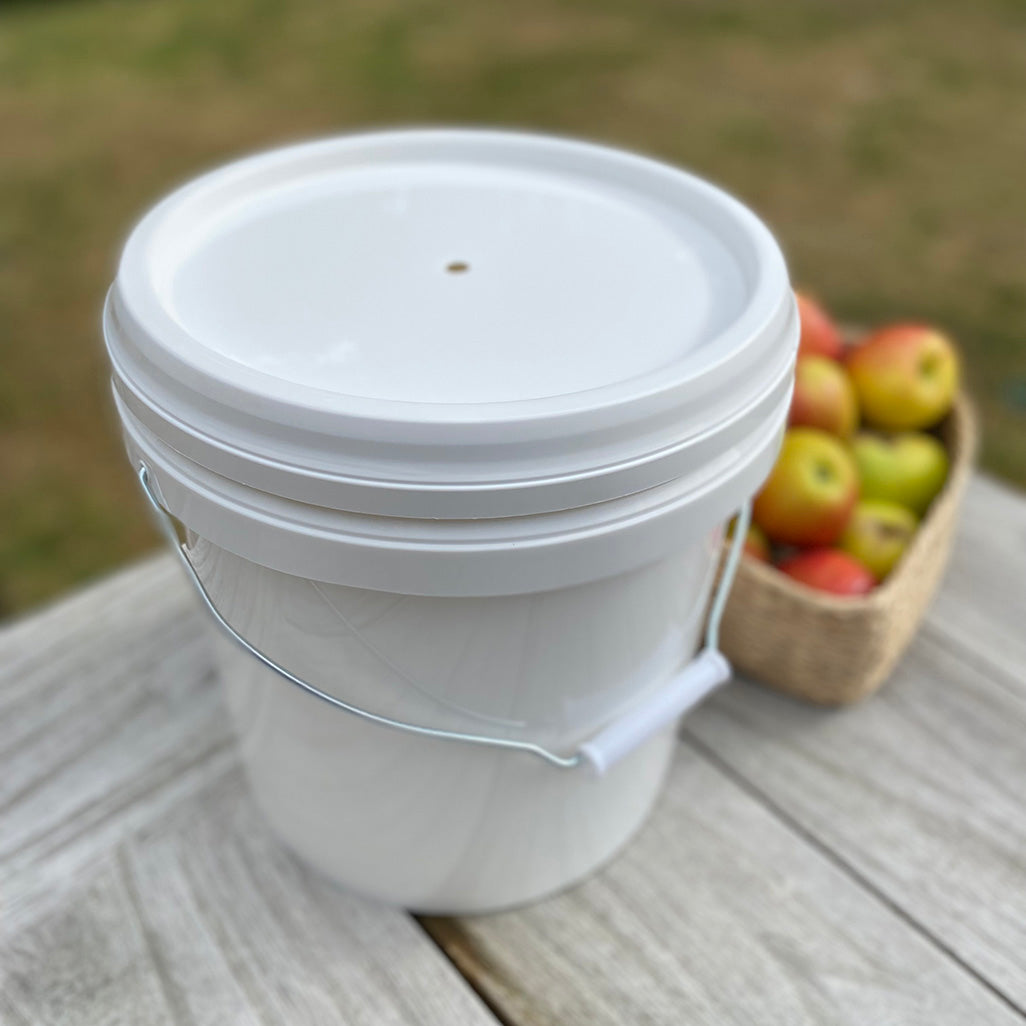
(451, 323)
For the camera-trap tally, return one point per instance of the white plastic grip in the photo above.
(684, 690)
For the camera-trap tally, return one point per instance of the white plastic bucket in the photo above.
(453, 420)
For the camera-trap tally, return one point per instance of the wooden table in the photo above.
(866, 866)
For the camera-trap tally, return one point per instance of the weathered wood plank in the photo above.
(136, 882)
(142, 592)
(201, 918)
(982, 607)
(717, 914)
(107, 714)
(921, 790)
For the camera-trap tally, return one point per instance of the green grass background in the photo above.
(884, 142)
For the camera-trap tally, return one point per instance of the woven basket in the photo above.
(832, 650)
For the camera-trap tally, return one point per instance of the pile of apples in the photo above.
(842, 504)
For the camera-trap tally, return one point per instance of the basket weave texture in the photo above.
(833, 650)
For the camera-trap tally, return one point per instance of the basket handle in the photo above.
(684, 689)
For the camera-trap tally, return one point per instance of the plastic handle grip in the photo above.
(706, 672)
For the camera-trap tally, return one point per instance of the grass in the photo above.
(884, 143)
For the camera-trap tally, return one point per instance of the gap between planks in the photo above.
(843, 865)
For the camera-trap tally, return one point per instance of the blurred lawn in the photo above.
(885, 143)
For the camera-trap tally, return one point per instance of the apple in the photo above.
(756, 543)
(905, 376)
(878, 534)
(824, 397)
(909, 468)
(810, 492)
(829, 570)
(820, 336)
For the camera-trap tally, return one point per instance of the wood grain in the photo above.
(982, 608)
(107, 713)
(202, 918)
(921, 791)
(137, 884)
(717, 914)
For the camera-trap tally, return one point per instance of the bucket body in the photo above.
(453, 421)
(440, 826)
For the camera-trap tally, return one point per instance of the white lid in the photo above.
(450, 323)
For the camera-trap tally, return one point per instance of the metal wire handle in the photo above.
(585, 752)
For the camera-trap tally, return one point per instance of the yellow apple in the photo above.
(878, 534)
(810, 492)
(905, 376)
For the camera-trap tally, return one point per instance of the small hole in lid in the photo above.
(457, 267)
